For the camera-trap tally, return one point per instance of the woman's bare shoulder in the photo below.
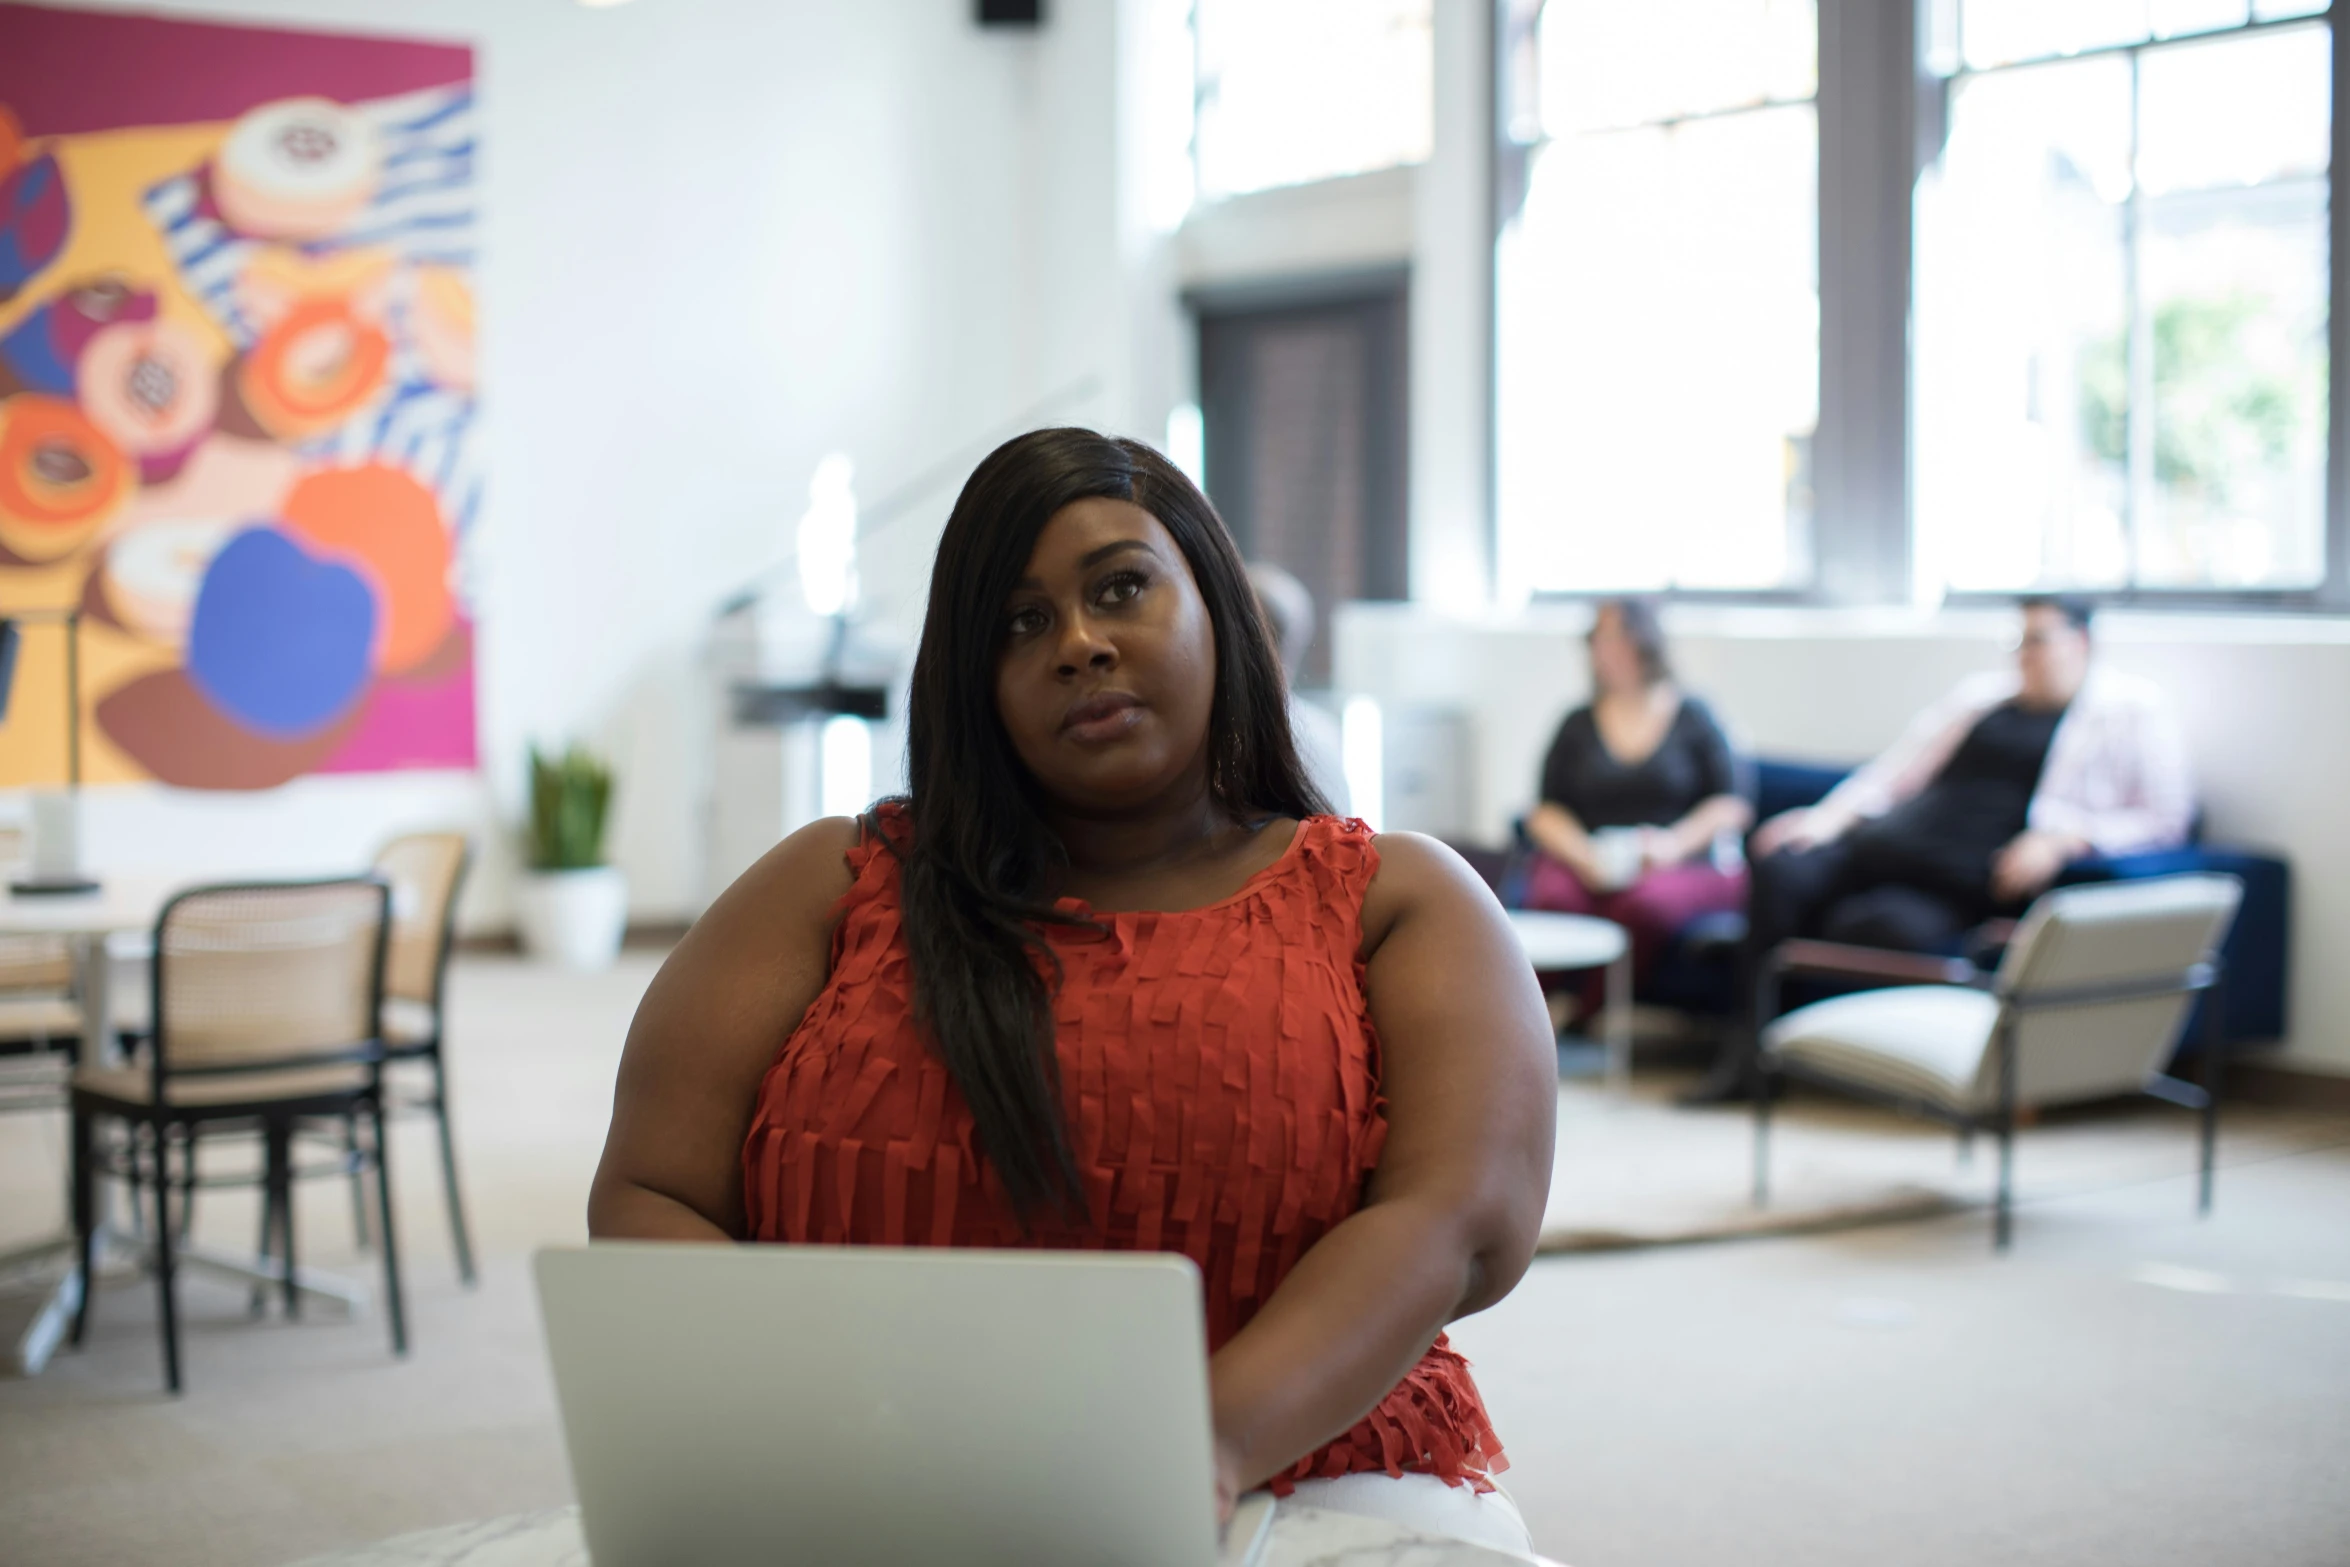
(1418, 874)
(784, 905)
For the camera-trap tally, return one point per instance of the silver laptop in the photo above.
(738, 1404)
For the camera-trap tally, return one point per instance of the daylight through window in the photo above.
(2121, 299)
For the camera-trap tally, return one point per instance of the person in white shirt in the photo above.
(1289, 610)
(1973, 812)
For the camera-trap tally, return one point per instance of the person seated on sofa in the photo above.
(1288, 608)
(1639, 786)
(1974, 811)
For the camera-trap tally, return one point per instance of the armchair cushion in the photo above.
(1913, 1041)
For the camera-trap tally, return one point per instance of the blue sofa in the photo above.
(1697, 973)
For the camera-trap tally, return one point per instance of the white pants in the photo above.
(1424, 1503)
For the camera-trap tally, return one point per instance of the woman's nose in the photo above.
(1084, 647)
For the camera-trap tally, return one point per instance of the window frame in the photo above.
(1203, 88)
(1882, 119)
(1514, 26)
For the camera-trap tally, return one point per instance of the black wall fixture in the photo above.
(1011, 13)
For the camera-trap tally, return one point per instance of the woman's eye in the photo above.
(1025, 622)
(1121, 587)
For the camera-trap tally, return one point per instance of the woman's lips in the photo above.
(1103, 717)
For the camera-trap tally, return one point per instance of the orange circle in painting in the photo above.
(149, 385)
(61, 479)
(385, 523)
(11, 139)
(314, 369)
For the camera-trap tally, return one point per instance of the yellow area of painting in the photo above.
(106, 173)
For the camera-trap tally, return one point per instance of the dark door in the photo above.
(1303, 403)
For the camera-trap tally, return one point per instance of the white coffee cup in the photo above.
(1619, 851)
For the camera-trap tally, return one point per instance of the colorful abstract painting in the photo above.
(238, 403)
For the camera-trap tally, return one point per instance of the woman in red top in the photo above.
(1110, 976)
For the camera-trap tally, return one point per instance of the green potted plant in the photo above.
(572, 906)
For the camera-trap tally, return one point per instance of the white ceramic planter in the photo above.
(574, 918)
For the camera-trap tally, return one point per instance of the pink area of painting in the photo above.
(415, 724)
(67, 72)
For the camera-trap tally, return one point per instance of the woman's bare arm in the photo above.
(706, 1032)
(1559, 833)
(1449, 1223)
(1695, 833)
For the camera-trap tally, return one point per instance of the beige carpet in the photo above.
(296, 1439)
(1637, 1171)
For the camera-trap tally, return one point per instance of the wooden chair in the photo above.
(2088, 1002)
(40, 1022)
(425, 871)
(266, 1006)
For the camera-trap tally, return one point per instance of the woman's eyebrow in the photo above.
(1095, 557)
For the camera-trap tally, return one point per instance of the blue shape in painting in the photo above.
(30, 354)
(34, 217)
(280, 640)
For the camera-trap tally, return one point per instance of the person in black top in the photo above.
(1638, 788)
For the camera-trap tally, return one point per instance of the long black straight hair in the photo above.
(978, 876)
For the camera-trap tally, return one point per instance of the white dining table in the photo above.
(122, 906)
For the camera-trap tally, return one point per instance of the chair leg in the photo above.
(457, 1231)
(278, 1139)
(165, 1264)
(188, 1189)
(2003, 1040)
(1766, 1088)
(358, 1178)
(2214, 1068)
(264, 1247)
(395, 1308)
(2003, 1205)
(85, 1218)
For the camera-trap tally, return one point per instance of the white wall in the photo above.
(2266, 703)
(720, 238)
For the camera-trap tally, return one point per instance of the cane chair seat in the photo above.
(38, 1018)
(135, 1085)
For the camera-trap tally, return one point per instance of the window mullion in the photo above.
(2138, 417)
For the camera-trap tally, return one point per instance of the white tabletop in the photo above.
(1302, 1537)
(1567, 941)
(120, 903)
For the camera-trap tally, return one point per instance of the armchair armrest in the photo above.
(1878, 963)
(1987, 941)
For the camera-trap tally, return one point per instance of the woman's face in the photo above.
(1108, 671)
(1615, 662)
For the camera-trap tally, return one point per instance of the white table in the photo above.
(122, 905)
(1302, 1537)
(1572, 943)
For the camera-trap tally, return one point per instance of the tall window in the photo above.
(1658, 298)
(1297, 90)
(2121, 297)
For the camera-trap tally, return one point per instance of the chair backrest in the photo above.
(41, 965)
(2128, 936)
(425, 870)
(269, 974)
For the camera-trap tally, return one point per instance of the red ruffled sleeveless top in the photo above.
(1221, 1078)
